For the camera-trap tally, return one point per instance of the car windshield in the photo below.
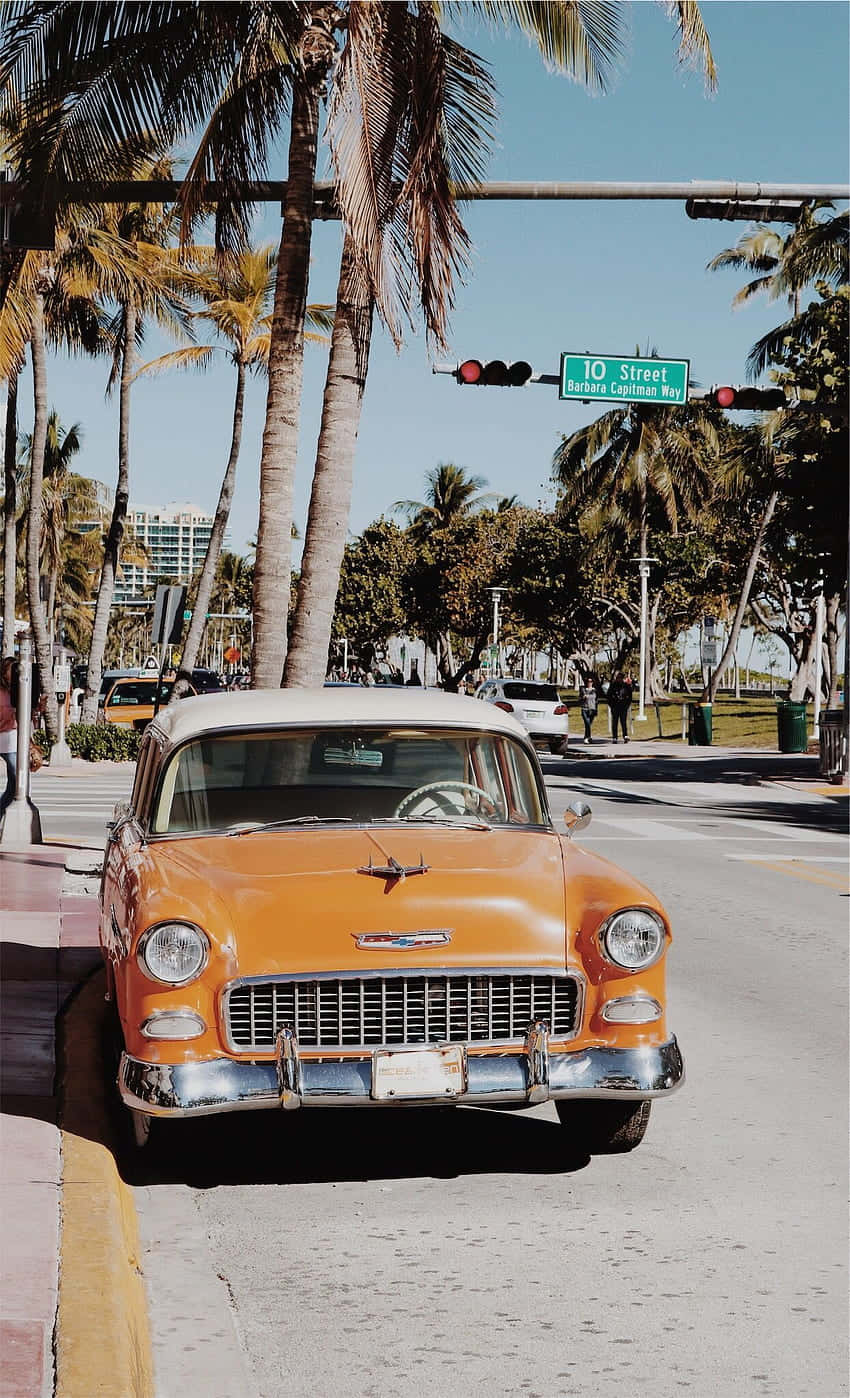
(228, 780)
(139, 692)
(522, 689)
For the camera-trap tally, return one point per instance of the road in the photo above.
(461, 1252)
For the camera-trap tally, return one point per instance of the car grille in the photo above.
(366, 1012)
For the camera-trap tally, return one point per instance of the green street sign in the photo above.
(604, 376)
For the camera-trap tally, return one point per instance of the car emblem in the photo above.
(392, 870)
(401, 941)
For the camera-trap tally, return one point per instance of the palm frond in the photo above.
(694, 43)
(192, 357)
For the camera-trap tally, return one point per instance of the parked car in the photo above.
(130, 700)
(359, 899)
(207, 682)
(537, 706)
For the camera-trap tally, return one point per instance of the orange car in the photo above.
(130, 701)
(357, 897)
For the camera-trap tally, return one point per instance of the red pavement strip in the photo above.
(47, 945)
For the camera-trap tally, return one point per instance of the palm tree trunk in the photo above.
(51, 607)
(34, 518)
(731, 645)
(330, 502)
(283, 404)
(10, 509)
(112, 549)
(213, 553)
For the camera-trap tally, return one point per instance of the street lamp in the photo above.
(643, 569)
(496, 593)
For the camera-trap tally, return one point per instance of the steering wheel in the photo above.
(436, 791)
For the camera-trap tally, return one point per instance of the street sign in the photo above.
(61, 679)
(709, 647)
(604, 376)
(167, 615)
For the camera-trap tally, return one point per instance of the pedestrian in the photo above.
(8, 731)
(589, 706)
(414, 673)
(620, 693)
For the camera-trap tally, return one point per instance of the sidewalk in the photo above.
(48, 943)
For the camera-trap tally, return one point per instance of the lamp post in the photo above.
(643, 569)
(496, 593)
(22, 823)
(819, 620)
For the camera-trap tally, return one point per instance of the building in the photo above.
(175, 537)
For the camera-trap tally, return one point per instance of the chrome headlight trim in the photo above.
(604, 938)
(632, 1009)
(195, 1026)
(151, 932)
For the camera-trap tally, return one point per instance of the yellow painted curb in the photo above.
(103, 1347)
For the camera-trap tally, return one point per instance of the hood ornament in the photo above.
(392, 869)
(402, 941)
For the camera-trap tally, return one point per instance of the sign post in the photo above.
(22, 823)
(614, 379)
(60, 753)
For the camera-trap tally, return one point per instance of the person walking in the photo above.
(8, 731)
(620, 694)
(589, 707)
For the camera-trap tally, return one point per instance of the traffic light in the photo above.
(742, 398)
(747, 210)
(27, 222)
(495, 373)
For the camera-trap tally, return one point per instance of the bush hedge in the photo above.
(103, 742)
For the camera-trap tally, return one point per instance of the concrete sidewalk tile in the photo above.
(30, 1222)
(29, 1148)
(38, 928)
(24, 1368)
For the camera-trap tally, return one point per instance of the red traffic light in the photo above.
(495, 373)
(744, 398)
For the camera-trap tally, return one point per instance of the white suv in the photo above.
(537, 706)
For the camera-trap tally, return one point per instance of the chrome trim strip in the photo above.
(224, 1085)
(407, 973)
(537, 1053)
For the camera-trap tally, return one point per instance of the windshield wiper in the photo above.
(465, 822)
(250, 827)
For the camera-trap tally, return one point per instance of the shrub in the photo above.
(103, 742)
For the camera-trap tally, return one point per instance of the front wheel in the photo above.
(604, 1128)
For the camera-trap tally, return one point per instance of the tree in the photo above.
(64, 494)
(450, 493)
(236, 297)
(370, 604)
(612, 470)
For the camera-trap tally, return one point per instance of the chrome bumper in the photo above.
(526, 1078)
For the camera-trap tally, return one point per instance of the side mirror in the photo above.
(577, 817)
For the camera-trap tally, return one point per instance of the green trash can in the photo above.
(792, 726)
(699, 726)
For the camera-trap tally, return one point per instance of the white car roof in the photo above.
(300, 708)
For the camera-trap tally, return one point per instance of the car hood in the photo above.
(296, 901)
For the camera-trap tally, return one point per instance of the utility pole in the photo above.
(643, 569)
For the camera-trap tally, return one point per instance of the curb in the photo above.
(102, 1337)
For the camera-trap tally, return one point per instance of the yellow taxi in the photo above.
(131, 700)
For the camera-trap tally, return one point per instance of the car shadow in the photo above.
(337, 1145)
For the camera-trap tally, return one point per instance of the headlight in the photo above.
(633, 938)
(173, 952)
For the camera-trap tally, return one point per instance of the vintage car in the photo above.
(344, 897)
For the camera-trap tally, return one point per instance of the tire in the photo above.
(135, 1131)
(604, 1128)
(558, 746)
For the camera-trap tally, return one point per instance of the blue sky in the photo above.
(547, 277)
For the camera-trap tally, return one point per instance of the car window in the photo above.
(138, 692)
(341, 774)
(526, 689)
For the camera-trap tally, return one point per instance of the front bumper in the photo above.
(522, 1079)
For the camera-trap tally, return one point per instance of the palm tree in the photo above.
(450, 493)
(236, 304)
(406, 121)
(64, 495)
(611, 470)
(128, 258)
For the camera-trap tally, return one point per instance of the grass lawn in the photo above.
(737, 723)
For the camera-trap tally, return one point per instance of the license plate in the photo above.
(423, 1073)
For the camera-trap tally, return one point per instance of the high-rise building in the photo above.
(175, 537)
